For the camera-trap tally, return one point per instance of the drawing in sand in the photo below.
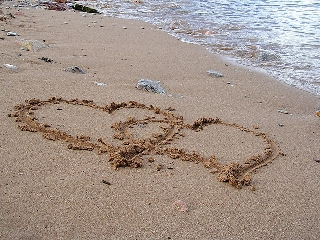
(131, 151)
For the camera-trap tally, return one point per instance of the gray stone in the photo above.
(214, 73)
(150, 86)
(75, 69)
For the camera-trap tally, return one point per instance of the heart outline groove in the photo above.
(130, 152)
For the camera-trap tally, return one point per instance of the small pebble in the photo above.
(100, 84)
(46, 59)
(12, 34)
(215, 73)
(74, 69)
(11, 66)
(180, 206)
(106, 182)
(159, 167)
(283, 111)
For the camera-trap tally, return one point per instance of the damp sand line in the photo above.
(130, 153)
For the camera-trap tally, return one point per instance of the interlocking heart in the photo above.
(131, 150)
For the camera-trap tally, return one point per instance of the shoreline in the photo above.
(186, 35)
(50, 191)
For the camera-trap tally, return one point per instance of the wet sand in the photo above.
(90, 156)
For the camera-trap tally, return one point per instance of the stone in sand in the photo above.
(180, 206)
(150, 86)
(214, 73)
(32, 45)
(74, 69)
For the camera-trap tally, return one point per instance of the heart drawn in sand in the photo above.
(132, 149)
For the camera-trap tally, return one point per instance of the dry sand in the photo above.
(50, 191)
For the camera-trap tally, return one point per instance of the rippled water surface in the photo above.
(282, 37)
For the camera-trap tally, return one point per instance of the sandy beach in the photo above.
(90, 156)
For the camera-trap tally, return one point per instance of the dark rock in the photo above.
(82, 8)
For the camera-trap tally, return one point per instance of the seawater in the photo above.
(282, 37)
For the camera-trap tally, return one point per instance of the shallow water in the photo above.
(282, 37)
